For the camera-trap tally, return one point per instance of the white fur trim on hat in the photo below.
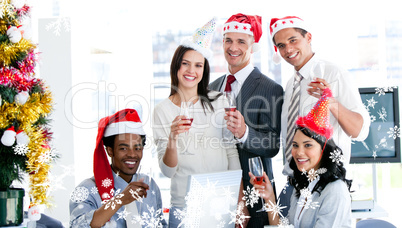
(124, 127)
(235, 26)
(289, 22)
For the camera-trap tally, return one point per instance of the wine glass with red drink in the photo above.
(187, 110)
(256, 168)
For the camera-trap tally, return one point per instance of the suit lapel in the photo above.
(247, 89)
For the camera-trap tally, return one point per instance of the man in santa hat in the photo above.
(117, 196)
(255, 123)
(349, 118)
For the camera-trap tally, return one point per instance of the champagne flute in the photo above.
(187, 110)
(231, 101)
(256, 168)
(229, 106)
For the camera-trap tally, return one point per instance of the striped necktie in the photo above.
(292, 115)
(229, 80)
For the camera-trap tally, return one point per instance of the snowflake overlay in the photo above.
(336, 156)
(21, 149)
(79, 194)
(106, 183)
(153, 219)
(251, 196)
(394, 132)
(238, 217)
(114, 201)
(382, 114)
(275, 208)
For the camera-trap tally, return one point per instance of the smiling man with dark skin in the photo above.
(117, 193)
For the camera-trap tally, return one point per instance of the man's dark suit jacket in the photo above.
(260, 102)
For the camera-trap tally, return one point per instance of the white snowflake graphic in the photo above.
(135, 194)
(373, 118)
(79, 194)
(305, 193)
(153, 219)
(382, 90)
(94, 190)
(251, 196)
(312, 175)
(336, 156)
(20, 149)
(374, 154)
(179, 215)
(238, 217)
(275, 208)
(394, 132)
(284, 223)
(371, 102)
(382, 114)
(123, 214)
(114, 201)
(229, 195)
(58, 24)
(106, 183)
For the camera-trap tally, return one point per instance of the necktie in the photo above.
(292, 115)
(230, 79)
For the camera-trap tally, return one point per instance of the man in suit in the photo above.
(256, 122)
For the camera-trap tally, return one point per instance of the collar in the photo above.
(242, 74)
(306, 70)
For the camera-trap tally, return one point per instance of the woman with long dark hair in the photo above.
(186, 147)
(321, 195)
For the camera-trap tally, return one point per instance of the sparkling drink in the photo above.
(231, 109)
(258, 180)
(188, 124)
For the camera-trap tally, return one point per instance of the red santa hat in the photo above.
(248, 24)
(278, 24)
(124, 121)
(317, 120)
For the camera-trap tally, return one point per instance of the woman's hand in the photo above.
(178, 126)
(265, 190)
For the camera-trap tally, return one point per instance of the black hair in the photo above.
(202, 88)
(109, 140)
(300, 30)
(334, 169)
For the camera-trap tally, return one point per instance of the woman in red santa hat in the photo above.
(321, 195)
(187, 147)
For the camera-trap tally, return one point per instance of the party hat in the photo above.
(317, 119)
(201, 40)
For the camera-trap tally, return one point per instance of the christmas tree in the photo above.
(25, 103)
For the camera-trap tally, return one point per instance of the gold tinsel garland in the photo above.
(9, 52)
(39, 104)
(38, 168)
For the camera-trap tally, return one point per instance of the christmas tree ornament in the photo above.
(14, 34)
(34, 213)
(21, 98)
(201, 40)
(247, 24)
(26, 31)
(22, 138)
(8, 138)
(278, 24)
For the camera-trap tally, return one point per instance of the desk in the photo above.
(376, 212)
